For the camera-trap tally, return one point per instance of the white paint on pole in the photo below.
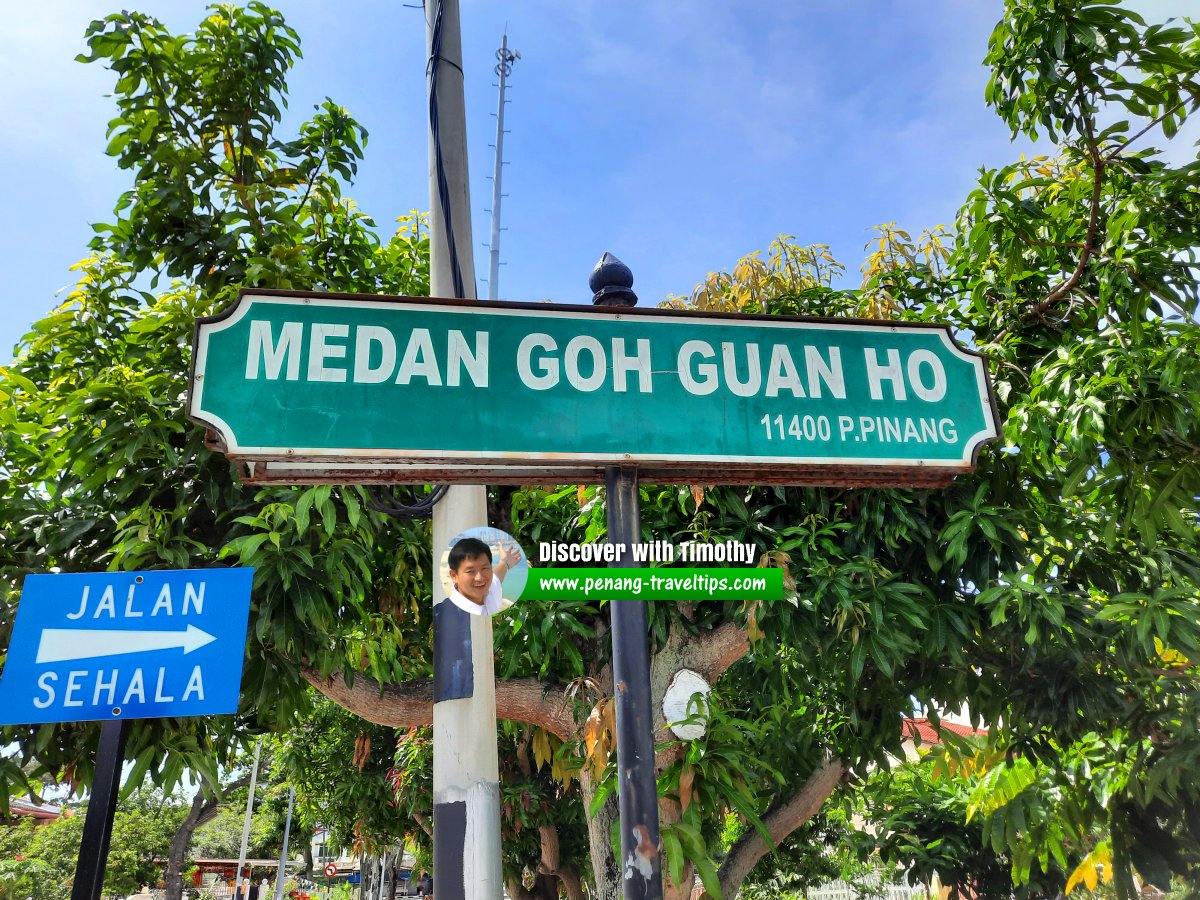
(465, 762)
(465, 759)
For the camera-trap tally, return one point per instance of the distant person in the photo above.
(476, 581)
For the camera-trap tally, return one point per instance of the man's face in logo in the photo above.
(473, 578)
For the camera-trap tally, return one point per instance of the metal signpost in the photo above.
(637, 788)
(117, 646)
(291, 386)
(466, 768)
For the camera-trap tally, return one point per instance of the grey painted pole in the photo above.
(466, 779)
(637, 789)
(244, 891)
(283, 852)
(503, 67)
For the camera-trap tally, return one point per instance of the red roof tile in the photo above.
(924, 731)
(37, 811)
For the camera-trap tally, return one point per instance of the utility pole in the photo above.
(281, 876)
(243, 889)
(466, 780)
(503, 69)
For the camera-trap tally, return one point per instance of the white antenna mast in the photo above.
(503, 69)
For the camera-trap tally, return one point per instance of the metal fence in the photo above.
(840, 890)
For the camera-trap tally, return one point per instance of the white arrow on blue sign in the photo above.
(126, 645)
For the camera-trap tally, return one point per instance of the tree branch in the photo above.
(781, 821)
(411, 702)
(713, 653)
(548, 836)
(1117, 151)
(1089, 240)
(204, 808)
(210, 810)
(571, 883)
(1069, 245)
(421, 819)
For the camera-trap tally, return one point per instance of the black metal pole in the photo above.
(637, 791)
(97, 827)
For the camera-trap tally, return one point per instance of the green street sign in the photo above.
(304, 388)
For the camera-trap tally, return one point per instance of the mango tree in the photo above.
(1055, 590)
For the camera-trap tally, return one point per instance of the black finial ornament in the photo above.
(611, 283)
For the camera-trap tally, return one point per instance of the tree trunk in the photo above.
(394, 872)
(545, 887)
(781, 821)
(551, 863)
(605, 871)
(709, 656)
(366, 871)
(572, 884)
(668, 814)
(204, 807)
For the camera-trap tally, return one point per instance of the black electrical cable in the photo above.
(381, 498)
(385, 501)
(435, 57)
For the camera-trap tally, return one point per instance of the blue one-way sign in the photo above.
(126, 645)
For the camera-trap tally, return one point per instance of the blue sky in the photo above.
(677, 135)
